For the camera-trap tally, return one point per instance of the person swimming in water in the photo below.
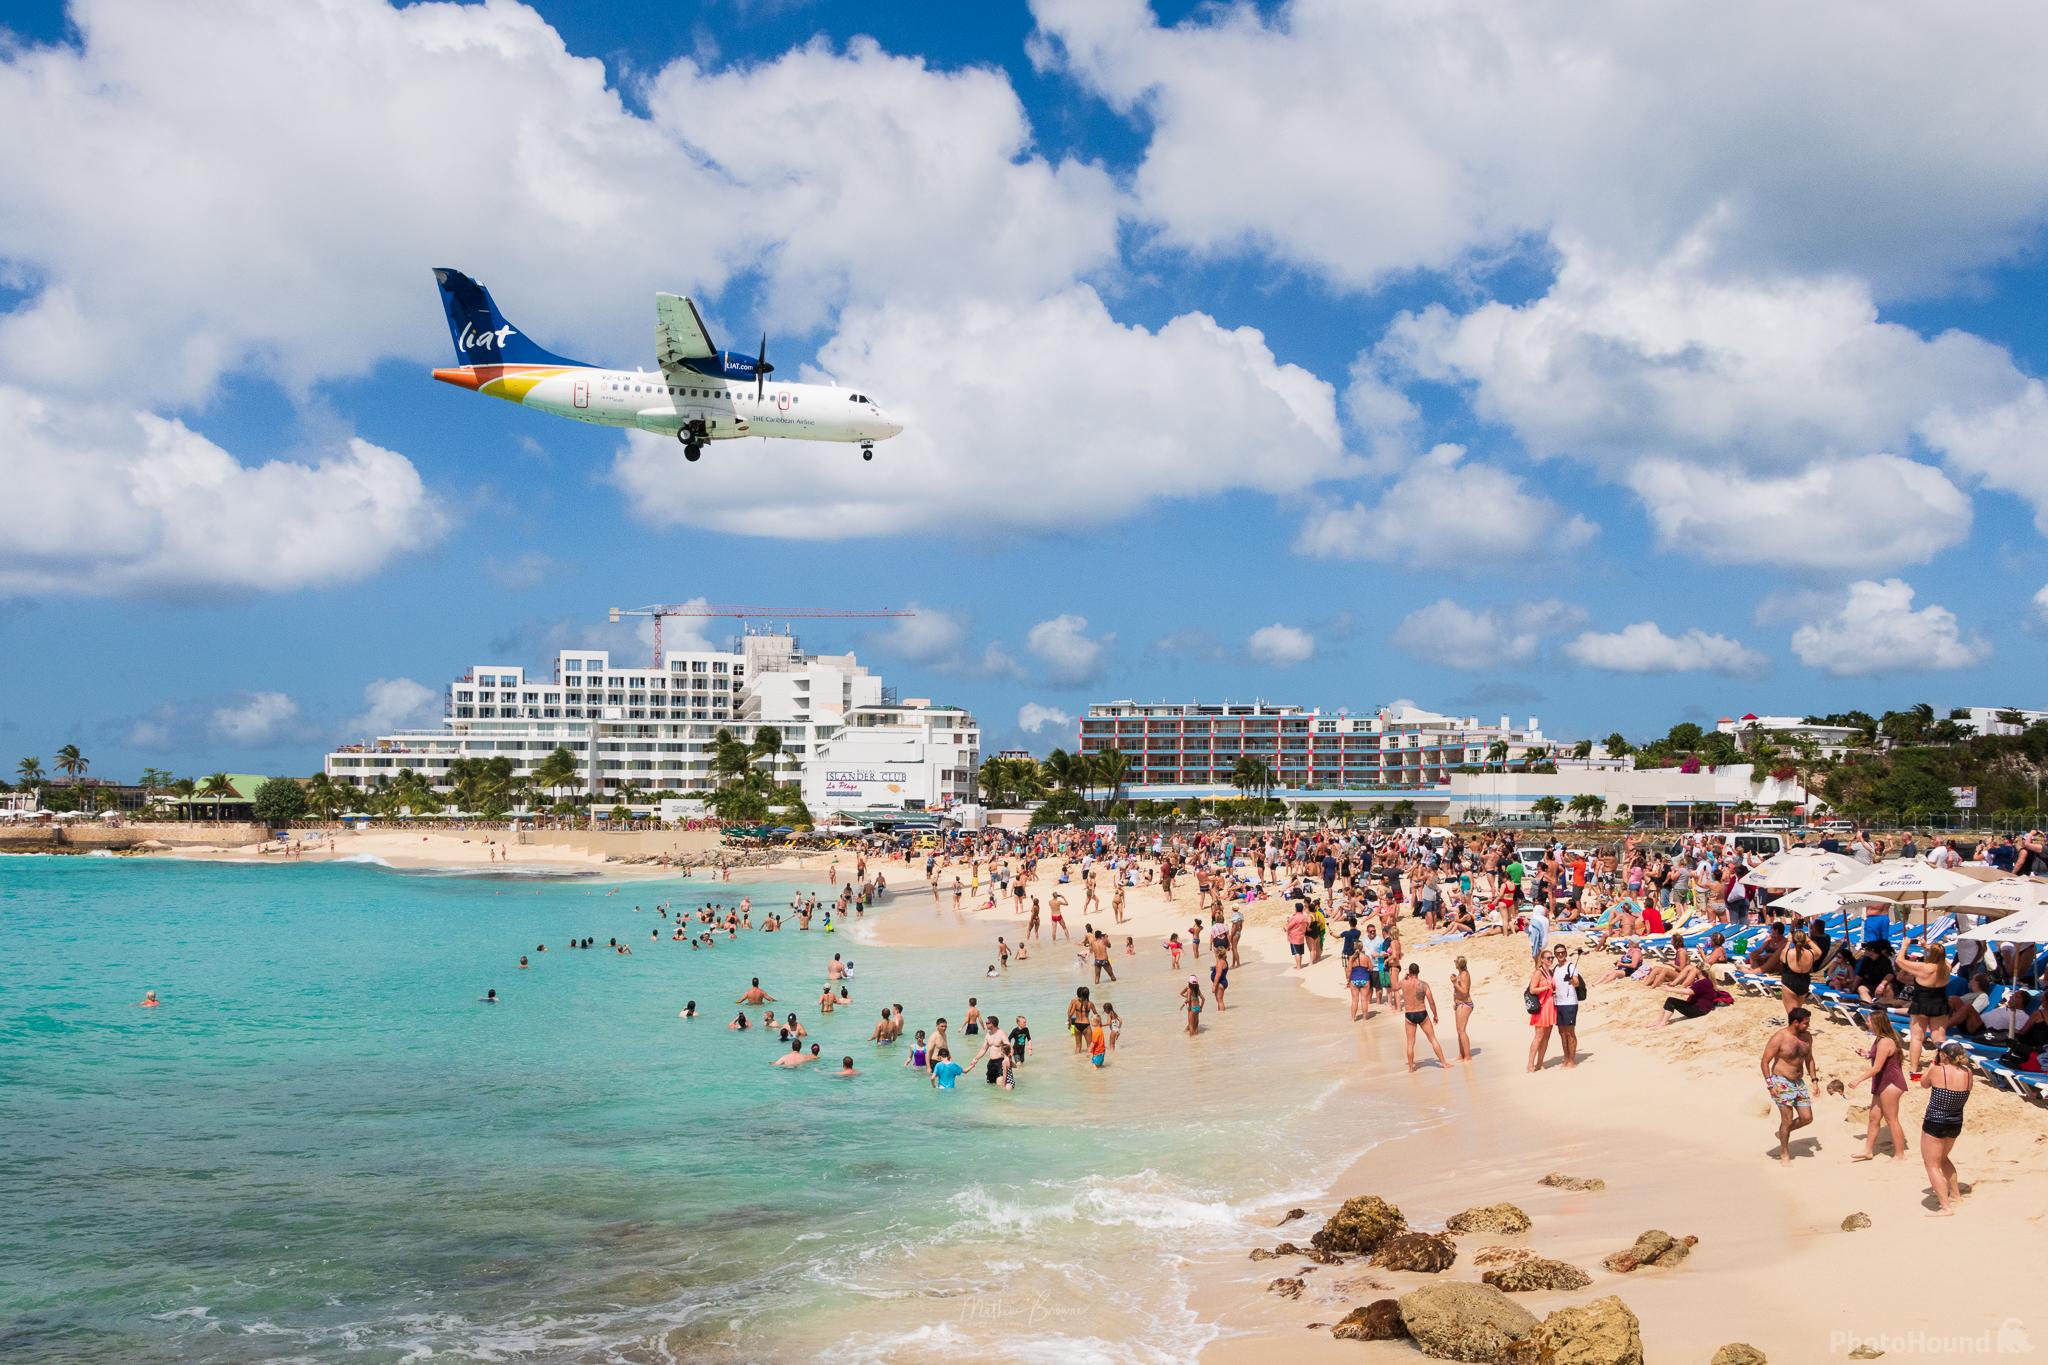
(490, 997)
(148, 1001)
(689, 1011)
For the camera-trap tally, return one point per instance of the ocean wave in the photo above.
(370, 859)
(1144, 1200)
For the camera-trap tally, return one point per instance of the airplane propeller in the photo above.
(762, 369)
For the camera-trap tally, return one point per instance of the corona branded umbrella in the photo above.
(2023, 926)
(1798, 868)
(1904, 881)
(2006, 896)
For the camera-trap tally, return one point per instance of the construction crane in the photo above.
(661, 611)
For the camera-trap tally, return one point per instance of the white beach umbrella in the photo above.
(2006, 896)
(1904, 881)
(1798, 868)
(2025, 926)
(1811, 900)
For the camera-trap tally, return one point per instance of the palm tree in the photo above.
(1617, 746)
(730, 759)
(1546, 807)
(1497, 752)
(323, 795)
(73, 763)
(767, 744)
(557, 770)
(1064, 769)
(1111, 767)
(31, 770)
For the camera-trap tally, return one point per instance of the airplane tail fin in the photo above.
(482, 336)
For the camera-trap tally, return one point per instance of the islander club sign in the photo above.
(864, 782)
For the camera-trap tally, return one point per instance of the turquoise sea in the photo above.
(323, 1147)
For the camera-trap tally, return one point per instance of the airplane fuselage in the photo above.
(670, 403)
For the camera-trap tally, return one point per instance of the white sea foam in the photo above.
(370, 858)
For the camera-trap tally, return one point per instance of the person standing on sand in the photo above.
(1219, 978)
(1461, 1006)
(1887, 1084)
(1569, 985)
(1540, 994)
(1358, 976)
(1418, 1010)
(1297, 936)
(1788, 1067)
(1948, 1083)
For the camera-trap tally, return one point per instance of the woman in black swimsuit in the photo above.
(1795, 968)
(1948, 1084)
(1926, 1003)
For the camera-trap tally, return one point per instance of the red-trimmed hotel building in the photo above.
(1198, 743)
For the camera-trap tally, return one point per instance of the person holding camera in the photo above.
(1569, 988)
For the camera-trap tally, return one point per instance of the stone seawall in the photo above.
(85, 838)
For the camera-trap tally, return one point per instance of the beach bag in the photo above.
(1579, 985)
(1531, 1001)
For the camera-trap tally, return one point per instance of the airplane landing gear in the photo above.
(867, 450)
(692, 437)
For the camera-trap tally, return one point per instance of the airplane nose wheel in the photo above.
(692, 438)
(693, 452)
(867, 452)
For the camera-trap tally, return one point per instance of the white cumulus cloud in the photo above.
(1645, 648)
(254, 717)
(1443, 512)
(393, 704)
(1281, 646)
(1448, 633)
(1875, 629)
(1033, 717)
(1362, 141)
(1864, 513)
(114, 502)
(1070, 656)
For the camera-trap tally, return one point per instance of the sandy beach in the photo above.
(1675, 1121)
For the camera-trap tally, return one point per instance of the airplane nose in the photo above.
(891, 427)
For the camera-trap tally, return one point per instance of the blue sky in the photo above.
(1597, 390)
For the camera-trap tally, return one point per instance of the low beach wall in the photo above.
(85, 838)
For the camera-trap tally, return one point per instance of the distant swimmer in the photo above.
(490, 997)
(755, 995)
(522, 962)
(846, 1067)
(688, 1011)
(795, 1057)
(148, 1001)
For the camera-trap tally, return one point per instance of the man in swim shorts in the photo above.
(1788, 1068)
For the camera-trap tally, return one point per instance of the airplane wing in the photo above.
(679, 332)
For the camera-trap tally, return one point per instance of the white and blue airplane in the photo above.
(697, 393)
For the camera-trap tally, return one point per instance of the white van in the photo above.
(1769, 822)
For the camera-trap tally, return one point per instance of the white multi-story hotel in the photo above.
(652, 728)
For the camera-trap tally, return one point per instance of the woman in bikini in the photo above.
(1191, 1001)
(1358, 975)
(1461, 1006)
(1219, 977)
